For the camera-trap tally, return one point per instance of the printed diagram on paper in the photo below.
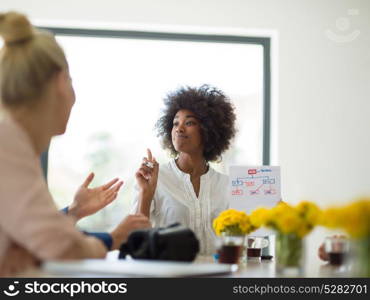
(257, 182)
(252, 187)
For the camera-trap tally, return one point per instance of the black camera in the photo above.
(175, 242)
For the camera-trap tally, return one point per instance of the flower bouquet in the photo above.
(292, 224)
(354, 218)
(232, 225)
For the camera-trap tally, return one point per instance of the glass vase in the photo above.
(289, 255)
(363, 257)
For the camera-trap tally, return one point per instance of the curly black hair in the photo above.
(214, 111)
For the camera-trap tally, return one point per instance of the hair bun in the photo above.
(15, 27)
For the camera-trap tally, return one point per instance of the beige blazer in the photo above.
(29, 220)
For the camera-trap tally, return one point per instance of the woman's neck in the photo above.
(195, 165)
(35, 126)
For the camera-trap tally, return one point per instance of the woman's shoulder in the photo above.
(219, 190)
(165, 169)
(218, 181)
(167, 174)
(218, 178)
(17, 141)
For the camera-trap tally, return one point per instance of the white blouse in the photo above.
(175, 201)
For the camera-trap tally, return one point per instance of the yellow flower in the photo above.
(358, 218)
(353, 218)
(309, 211)
(298, 220)
(289, 221)
(232, 221)
(260, 216)
(332, 218)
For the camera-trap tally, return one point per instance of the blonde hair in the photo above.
(28, 60)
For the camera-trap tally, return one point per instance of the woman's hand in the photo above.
(147, 175)
(88, 201)
(129, 224)
(322, 253)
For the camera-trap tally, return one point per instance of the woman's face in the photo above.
(66, 101)
(186, 133)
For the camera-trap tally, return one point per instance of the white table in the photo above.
(245, 269)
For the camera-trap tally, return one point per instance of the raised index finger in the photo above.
(149, 154)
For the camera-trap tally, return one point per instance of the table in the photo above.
(246, 269)
(267, 268)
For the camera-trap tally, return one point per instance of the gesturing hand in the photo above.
(88, 201)
(128, 224)
(147, 175)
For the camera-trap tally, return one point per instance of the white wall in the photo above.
(323, 87)
(323, 90)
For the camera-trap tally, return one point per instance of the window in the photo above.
(121, 78)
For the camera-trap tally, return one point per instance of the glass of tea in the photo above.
(254, 245)
(337, 249)
(230, 249)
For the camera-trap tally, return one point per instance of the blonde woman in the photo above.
(36, 97)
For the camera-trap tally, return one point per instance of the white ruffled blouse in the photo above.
(175, 201)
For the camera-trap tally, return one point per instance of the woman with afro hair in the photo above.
(197, 126)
